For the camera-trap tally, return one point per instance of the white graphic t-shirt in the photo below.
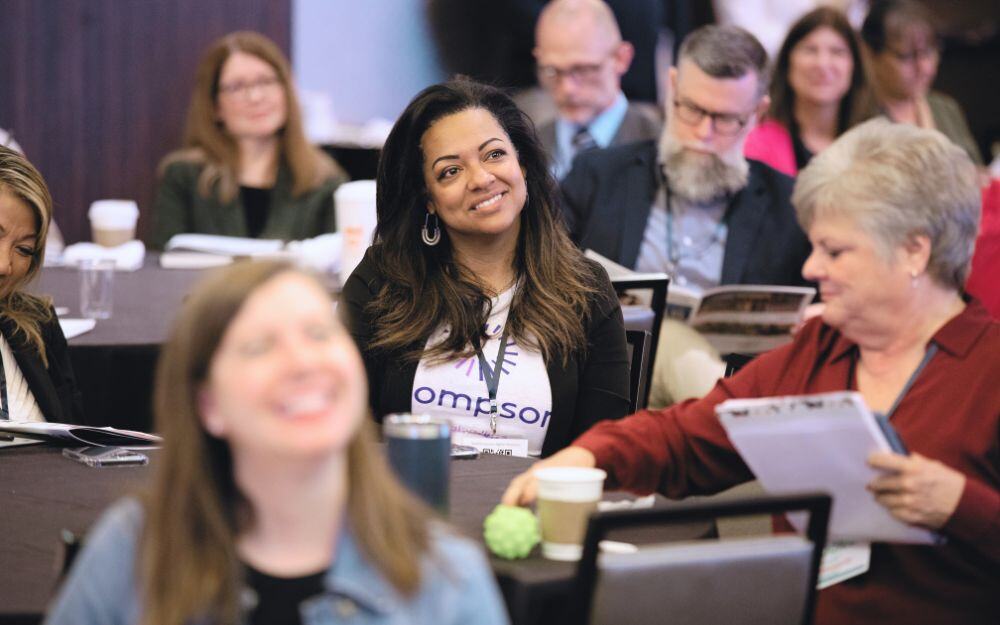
(457, 390)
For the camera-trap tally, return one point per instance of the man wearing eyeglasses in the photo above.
(692, 205)
(581, 58)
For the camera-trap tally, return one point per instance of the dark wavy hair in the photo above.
(888, 18)
(857, 104)
(425, 286)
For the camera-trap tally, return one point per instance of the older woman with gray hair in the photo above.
(892, 213)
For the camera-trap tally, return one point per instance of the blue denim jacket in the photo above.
(457, 584)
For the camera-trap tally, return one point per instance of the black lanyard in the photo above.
(4, 408)
(913, 378)
(891, 435)
(492, 376)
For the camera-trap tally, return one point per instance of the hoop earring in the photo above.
(431, 234)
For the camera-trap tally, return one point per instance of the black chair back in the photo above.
(710, 557)
(658, 284)
(640, 364)
(735, 362)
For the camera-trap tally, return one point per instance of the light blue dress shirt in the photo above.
(602, 128)
(686, 240)
(457, 586)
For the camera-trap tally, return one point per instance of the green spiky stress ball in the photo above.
(511, 531)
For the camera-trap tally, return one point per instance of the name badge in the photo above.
(517, 447)
(843, 561)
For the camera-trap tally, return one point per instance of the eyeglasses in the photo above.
(580, 73)
(722, 123)
(244, 88)
(918, 54)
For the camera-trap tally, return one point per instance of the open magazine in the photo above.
(735, 319)
(78, 435)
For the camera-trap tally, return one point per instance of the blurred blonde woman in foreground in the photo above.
(271, 502)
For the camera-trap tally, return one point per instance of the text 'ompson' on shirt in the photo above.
(480, 406)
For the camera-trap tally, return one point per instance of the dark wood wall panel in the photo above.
(96, 91)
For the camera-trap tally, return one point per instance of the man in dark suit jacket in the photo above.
(581, 59)
(692, 205)
(611, 195)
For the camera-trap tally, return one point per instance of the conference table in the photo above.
(114, 362)
(43, 493)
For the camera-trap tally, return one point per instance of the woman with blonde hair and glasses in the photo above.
(246, 168)
(36, 377)
(271, 502)
(904, 52)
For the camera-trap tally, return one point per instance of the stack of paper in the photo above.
(203, 251)
(819, 443)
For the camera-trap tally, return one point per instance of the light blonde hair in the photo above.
(194, 511)
(896, 181)
(206, 140)
(19, 179)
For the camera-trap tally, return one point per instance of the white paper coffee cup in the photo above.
(356, 219)
(566, 498)
(112, 222)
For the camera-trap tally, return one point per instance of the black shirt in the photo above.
(256, 202)
(802, 153)
(278, 598)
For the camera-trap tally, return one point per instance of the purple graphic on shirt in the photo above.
(471, 364)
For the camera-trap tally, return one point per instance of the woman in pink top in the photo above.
(818, 91)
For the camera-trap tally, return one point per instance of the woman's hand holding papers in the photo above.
(915, 489)
(524, 487)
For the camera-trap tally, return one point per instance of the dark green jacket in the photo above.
(950, 120)
(180, 208)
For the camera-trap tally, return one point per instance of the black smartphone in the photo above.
(464, 452)
(891, 435)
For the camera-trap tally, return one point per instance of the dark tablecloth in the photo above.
(42, 493)
(114, 362)
(145, 302)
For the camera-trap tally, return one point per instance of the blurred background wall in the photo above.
(95, 91)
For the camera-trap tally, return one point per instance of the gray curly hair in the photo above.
(896, 181)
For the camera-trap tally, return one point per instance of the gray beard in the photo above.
(701, 178)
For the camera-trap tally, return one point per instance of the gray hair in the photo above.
(726, 52)
(897, 181)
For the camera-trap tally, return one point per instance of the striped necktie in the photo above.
(583, 141)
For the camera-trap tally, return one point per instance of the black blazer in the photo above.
(609, 194)
(54, 388)
(591, 387)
